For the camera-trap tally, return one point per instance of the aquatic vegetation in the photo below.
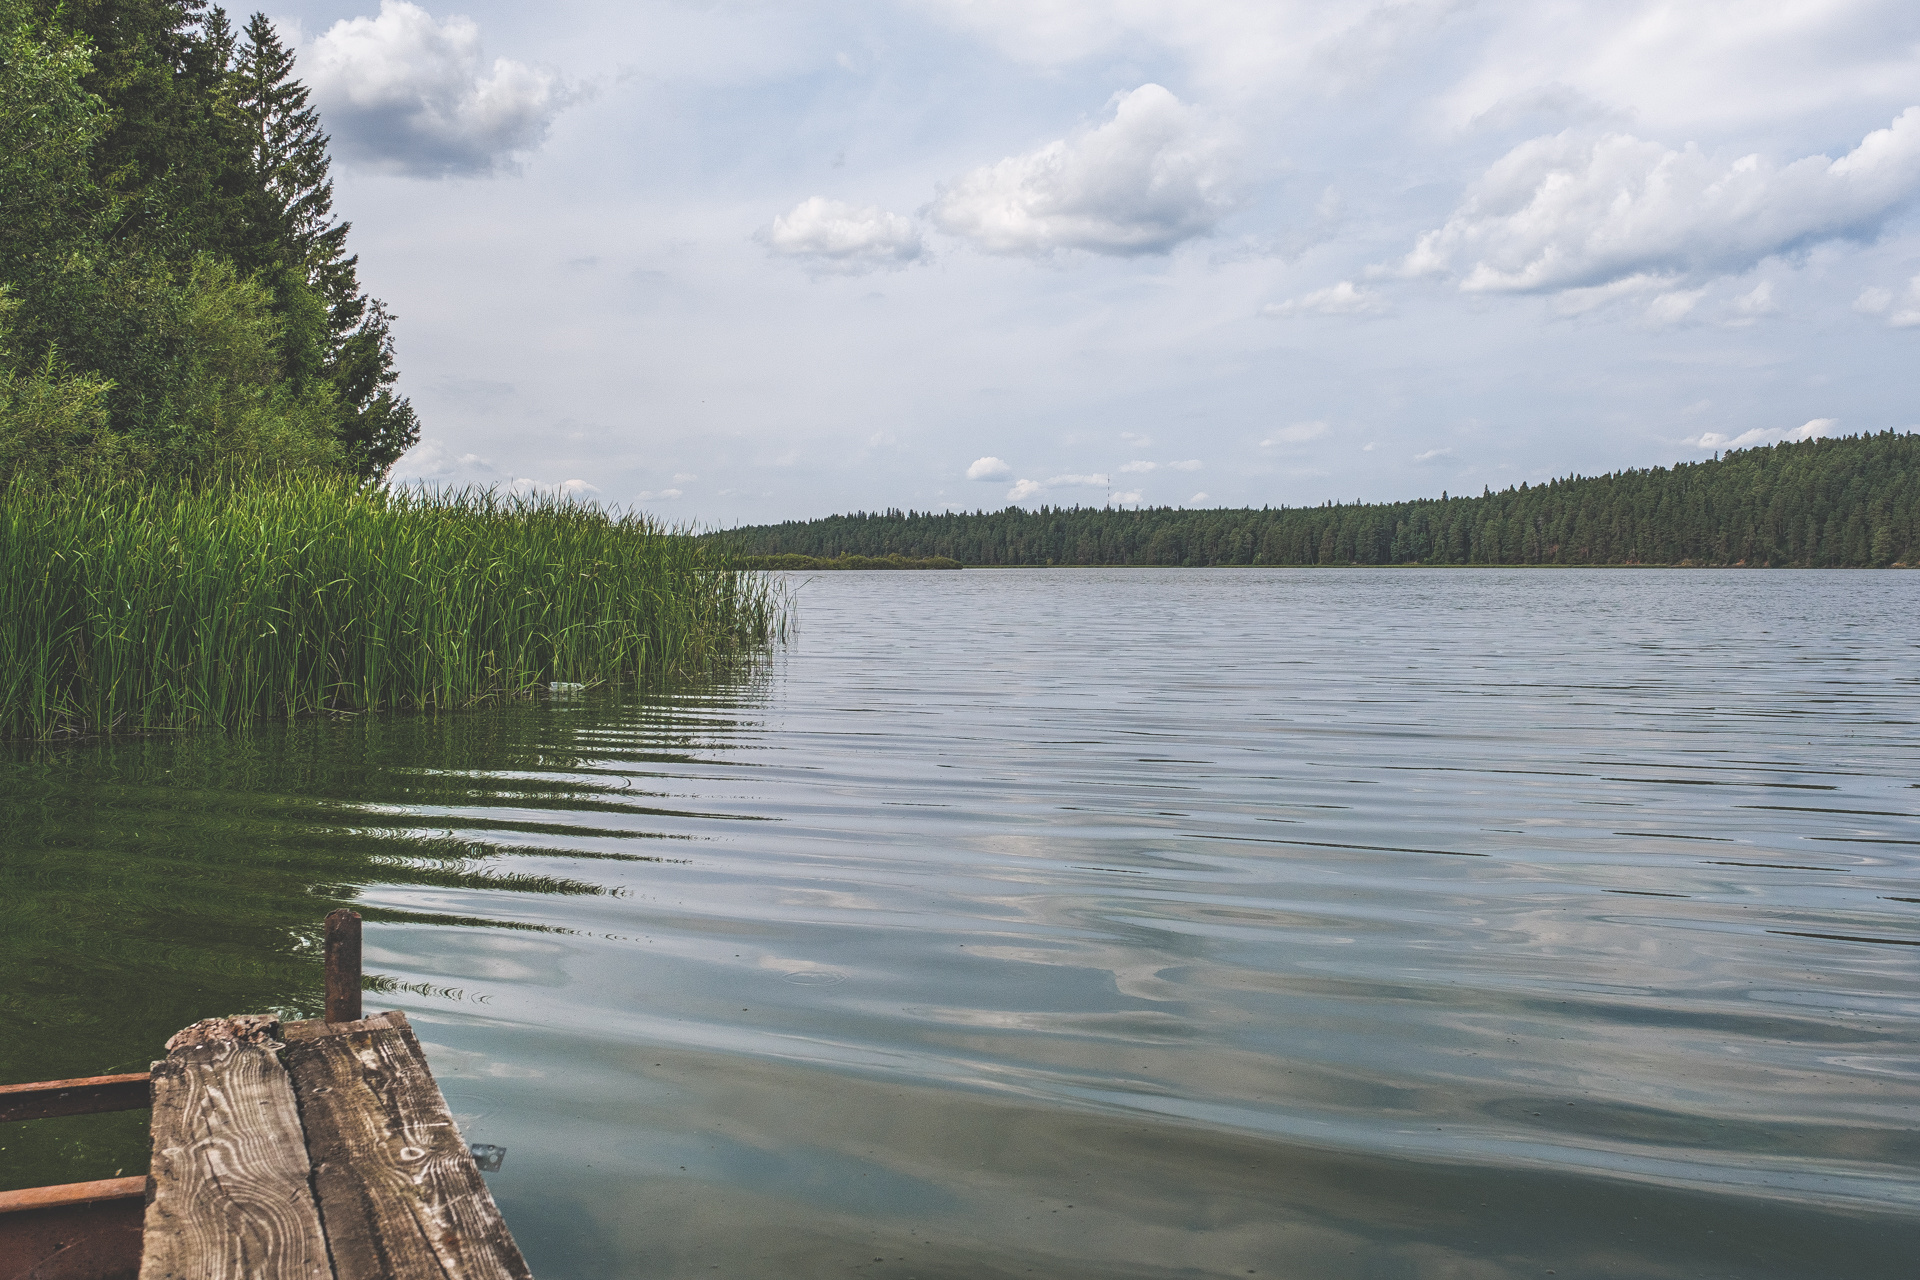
(126, 606)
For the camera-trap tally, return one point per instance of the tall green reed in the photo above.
(126, 606)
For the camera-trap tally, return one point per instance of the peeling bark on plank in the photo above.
(231, 1199)
(397, 1188)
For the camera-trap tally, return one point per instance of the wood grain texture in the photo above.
(397, 1189)
(81, 1097)
(230, 1173)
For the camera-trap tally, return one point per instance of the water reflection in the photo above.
(1106, 924)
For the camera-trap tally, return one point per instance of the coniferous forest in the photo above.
(1848, 502)
(176, 294)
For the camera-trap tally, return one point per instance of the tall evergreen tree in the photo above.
(291, 233)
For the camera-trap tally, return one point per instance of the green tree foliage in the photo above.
(287, 153)
(167, 240)
(1847, 502)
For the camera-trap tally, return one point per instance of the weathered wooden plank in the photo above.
(230, 1173)
(397, 1188)
(81, 1097)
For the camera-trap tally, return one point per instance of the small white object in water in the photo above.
(560, 689)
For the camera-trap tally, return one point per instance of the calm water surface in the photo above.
(1140, 923)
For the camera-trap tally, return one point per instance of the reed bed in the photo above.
(126, 607)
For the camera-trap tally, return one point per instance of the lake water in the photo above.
(1082, 923)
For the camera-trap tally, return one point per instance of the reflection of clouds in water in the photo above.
(1169, 880)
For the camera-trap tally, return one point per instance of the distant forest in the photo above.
(1847, 502)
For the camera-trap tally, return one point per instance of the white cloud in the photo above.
(844, 238)
(1139, 466)
(1765, 435)
(565, 488)
(1025, 489)
(1343, 299)
(1131, 496)
(989, 469)
(1253, 48)
(1200, 497)
(432, 462)
(1749, 308)
(1673, 307)
(1875, 301)
(682, 477)
(1143, 182)
(1189, 464)
(432, 465)
(1135, 439)
(1704, 67)
(1433, 455)
(657, 495)
(1298, 433)
(406, 94)
(1570, 212)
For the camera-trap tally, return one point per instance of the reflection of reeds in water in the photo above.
(148, 881)
(126, 607)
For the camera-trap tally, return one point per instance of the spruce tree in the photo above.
(291, 233)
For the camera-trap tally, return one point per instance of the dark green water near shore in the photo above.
(1085, 924)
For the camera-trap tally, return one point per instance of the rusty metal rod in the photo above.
(342, 958)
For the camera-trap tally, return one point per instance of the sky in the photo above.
(736, 262)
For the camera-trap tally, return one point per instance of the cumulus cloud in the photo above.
(845, 238)
(1199, 498)
(568, 488)
(1130, 497)
(1765, 435)
(1343, 299)
(1875, 301)
(406, 94)
(1433, 455)
(989, 468)
(1139, 465)
(1749, 308)
(1025, 489)
(1674, 306)
(1148, 179)
(658, 495)
(1571, 212)
(1186, 464)
(431, 464)
(1297, 433)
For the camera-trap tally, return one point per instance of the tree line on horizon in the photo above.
(176, 294)
(1843, 502)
